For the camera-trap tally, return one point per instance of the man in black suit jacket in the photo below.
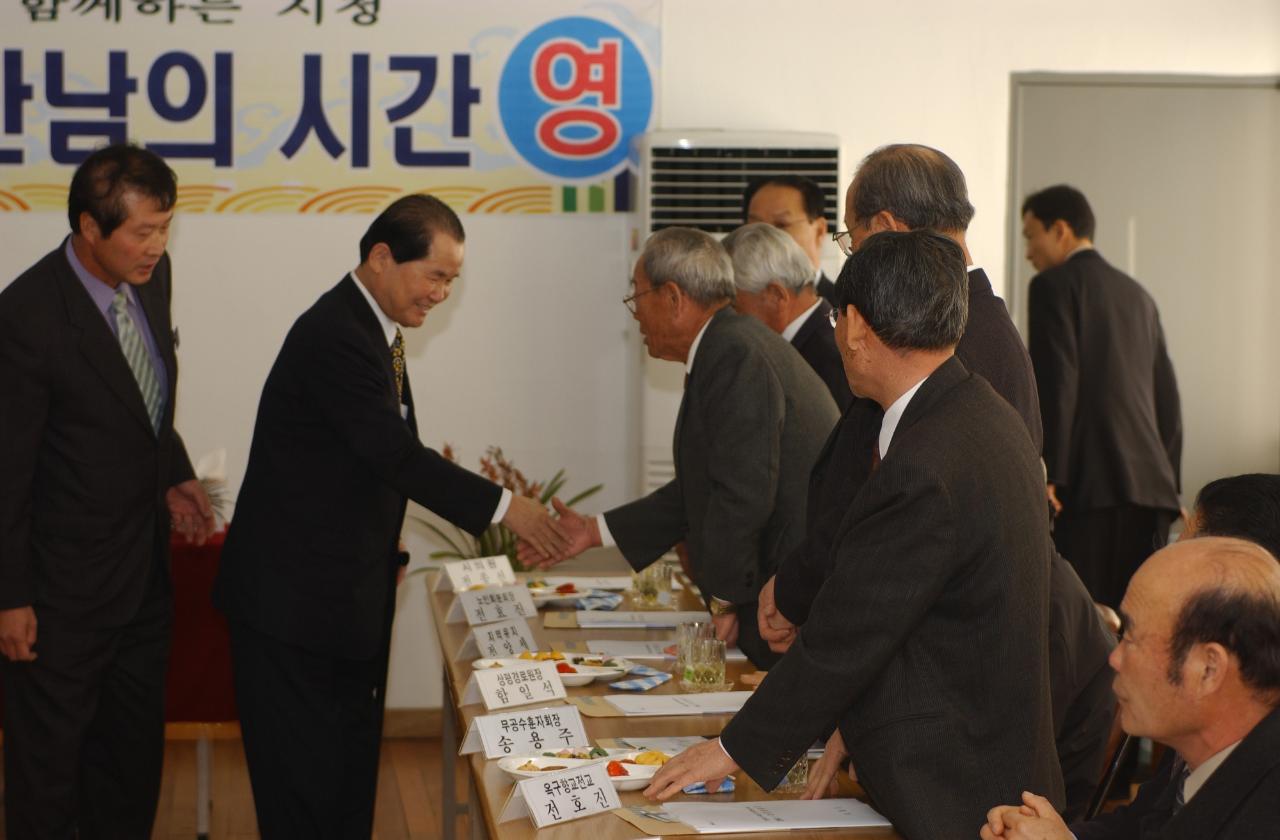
(939, 583)
(775, 286)
(1197, 669)
(311, 562)
(751, 421)
(91, 475)
(795, 205)
(1113, 428)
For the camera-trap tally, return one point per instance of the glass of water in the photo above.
(686, 634)
(704, 666)
(651, 586)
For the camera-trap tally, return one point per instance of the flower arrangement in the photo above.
(499, 539)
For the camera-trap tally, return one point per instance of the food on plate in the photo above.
(542, 655)
(652, 757)
(598, 662)
(565, 668)
(581, 754)
(615, 768)
(537, 584)
(495, 665)
(566, 589)
(531, 766)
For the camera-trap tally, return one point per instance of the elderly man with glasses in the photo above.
(750, 425)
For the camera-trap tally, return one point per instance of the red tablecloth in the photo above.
(199, 682)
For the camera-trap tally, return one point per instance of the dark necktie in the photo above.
(139, 360)
(397, 363)
(1179, 794)
(875, 457)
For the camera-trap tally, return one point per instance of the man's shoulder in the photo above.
(34, 291)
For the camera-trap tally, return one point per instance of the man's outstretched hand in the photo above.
(544, 537)
(580, 533)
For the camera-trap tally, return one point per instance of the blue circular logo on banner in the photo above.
(573, 93)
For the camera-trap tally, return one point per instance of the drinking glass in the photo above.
(686, 634)
(651, 586)
(704, 667)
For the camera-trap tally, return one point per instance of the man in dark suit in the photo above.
(91, 475)
(912, 187)
(1113, 428)
(1197, 669)
(796, 206)
(939, 581)
(775, 286)
(751, 421)
(311, 561)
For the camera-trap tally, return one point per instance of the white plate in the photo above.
(584, 675)
(621, 666)
(638, 775)
(510, 764)
(637, 778)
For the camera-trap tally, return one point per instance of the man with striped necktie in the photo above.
(91, 475)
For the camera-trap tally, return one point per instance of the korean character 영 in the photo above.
(197, 93)
(114, 101)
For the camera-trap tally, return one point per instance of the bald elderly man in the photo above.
(1197, 669)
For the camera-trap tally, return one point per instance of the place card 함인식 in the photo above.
(502, 688)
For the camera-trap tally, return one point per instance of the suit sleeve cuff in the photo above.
(725, 750)
(504, 504)
(606, 536)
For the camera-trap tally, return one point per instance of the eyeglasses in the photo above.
(630, 300)
(833, 316)
(844, 241)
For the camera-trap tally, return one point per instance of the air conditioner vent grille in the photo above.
(702, 187)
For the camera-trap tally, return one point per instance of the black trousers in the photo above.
(84, 728)
(1107, 545)
(312, 727)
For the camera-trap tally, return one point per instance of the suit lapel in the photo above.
(949, 374)
(369, 322)
(99, 347)
(817, 320)
(1230, 785)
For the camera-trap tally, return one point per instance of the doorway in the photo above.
(1183, 174)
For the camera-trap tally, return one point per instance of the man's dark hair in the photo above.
(101, 181)
(810, 193)
(1065, 203)
(911, 287)
(921, 186)
(1246, 623)
(1243, 506)
(408, 225)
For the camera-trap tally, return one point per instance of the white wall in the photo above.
(534, 352)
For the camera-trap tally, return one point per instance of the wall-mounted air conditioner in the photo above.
(696, 178)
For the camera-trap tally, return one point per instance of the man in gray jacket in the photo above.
(753, 417)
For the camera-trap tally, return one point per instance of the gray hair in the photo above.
(691, 259)
(919, 185)
(762, 254)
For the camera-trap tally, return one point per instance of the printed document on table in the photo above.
(613, 583)
(779, 815)
(710, 703)
(632, 649)
(639, 618)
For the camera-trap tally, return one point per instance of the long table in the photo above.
(489, 786)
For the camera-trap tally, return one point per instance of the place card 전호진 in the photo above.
(562, 796)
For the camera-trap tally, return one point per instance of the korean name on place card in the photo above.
(461, 575)
(502, 640)
(560, 797)
(521, 733)
(533, 683)
(484, 606)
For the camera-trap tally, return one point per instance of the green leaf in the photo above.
(442, 535)
(589, 492)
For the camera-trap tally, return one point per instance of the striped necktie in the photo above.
(397, 363)
(135, 353)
